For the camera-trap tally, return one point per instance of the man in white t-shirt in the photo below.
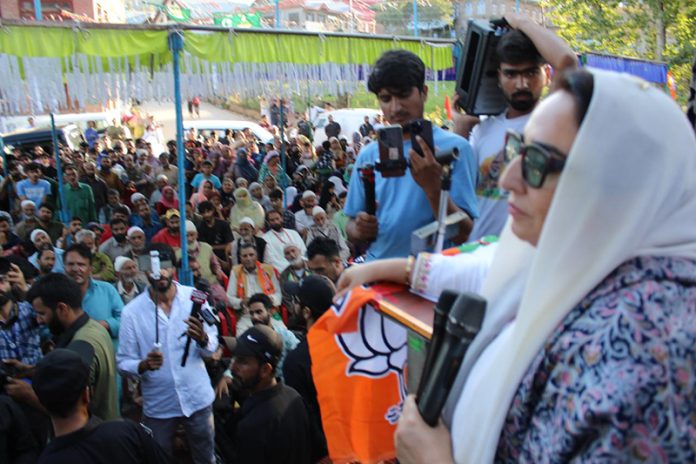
(526, 55)
(277, 239)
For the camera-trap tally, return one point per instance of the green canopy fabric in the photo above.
(232, 47)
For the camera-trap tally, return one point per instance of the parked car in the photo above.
(220, 125)
(350, 120)
(68, 135)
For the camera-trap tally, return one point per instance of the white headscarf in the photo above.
(628, 189)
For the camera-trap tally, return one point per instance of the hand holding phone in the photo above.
(392, 162)
(424, 129)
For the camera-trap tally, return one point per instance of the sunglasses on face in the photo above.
(538, 159)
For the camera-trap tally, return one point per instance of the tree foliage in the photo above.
(662, 30)
(396, 16)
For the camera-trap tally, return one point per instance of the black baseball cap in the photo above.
(260, 342)
(62, 375)
(314, 292)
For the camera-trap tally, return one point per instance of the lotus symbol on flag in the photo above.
(377, 349)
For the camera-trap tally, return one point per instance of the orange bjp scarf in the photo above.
(264, 279)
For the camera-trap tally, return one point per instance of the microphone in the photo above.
(155, 264)
(463, 324)
(447, 156)
(367, 174)
(442, 309)
(198, 298)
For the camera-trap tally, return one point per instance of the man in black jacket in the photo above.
(273, 426)
(315, 294)
(61, 383)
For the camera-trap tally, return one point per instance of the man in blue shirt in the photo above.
(100, 300)
(33, 188)
(206, 174)
(411, 201)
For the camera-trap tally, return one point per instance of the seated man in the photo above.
(247, 279)
(40, 239)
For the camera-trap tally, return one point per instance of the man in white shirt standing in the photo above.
(172, 394)
(277, 238)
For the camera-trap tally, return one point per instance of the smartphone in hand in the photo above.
(424, 129)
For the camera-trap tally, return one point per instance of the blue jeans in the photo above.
(200, 433)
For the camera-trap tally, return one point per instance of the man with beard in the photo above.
(273, 427)
(54, 229)
(127, 285)
(169, 170)
(151, 349)
(57, 300)
(100, 299)
(29, 220)
(295, 272)
(110, 177)
(324, 258)
(524, 56)
(277, 238)
(247, 236)
(247, 279)
(98, 185)
(260, 311)
(40, 239)
(147, 220)
(46, 259)
(117, 245)
(19, 332)
(170, 235)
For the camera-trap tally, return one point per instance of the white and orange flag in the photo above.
(358, 365)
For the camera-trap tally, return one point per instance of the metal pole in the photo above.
(415, 18)
(176, 46)
(4, 157)
(277, 14)
(37, 10)
(352, 18)
(283, 182)
(56, 153)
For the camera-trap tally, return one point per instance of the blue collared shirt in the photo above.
(21, 340)
(152, 229)
(103, 303)
(172, 390)
(57, 266)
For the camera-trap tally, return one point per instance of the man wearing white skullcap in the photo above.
(128, 285)
(40, 239)
(29, 220)
(303, 218)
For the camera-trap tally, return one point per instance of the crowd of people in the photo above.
(92, 329)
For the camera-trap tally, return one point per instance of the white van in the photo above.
(220, 125)
(350, 120)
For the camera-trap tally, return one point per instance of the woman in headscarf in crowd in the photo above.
(243, 167)
(245, 207)
(205, 190)
(588, 347)
(348, 172)
(327, 199)
(271, 167)
(168, 201)
(338, 152)
(256, 191)
(227, 195)
(307, 154)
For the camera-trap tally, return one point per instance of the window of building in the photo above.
(294, 18)
(481, 8)
(469, 9)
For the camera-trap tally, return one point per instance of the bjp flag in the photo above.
(358, 365)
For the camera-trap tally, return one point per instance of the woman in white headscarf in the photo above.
(588, 348)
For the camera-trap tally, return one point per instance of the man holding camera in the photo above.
(409, 201)
(155, 327)
(525, 54)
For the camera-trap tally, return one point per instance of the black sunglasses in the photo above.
(538, 159)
